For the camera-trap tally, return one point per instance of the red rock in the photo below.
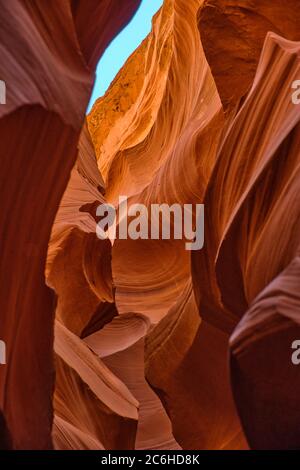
(200, 113)
(48, 88)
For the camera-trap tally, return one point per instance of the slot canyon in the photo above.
(142, 344)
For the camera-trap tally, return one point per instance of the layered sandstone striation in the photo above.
(49, 52)
(146, 345)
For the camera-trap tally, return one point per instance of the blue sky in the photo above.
(122, 47)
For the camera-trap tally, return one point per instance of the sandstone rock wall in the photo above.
(146, 345)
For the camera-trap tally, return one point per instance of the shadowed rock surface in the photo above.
(146, 345)
(49, 51)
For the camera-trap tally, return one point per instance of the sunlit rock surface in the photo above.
(48, 54)
(141, 344)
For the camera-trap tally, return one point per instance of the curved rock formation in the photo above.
(154, 277)
(233, 34)
(48, 55)
(154, 346)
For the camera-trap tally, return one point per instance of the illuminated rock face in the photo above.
(148, 345)
(48, 53)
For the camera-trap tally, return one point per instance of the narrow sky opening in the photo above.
(123, 46)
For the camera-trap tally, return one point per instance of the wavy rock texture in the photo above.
(200, 113)
(197, 155)
(153, 277)
(252, 233)
(49, 50)
(233, 33)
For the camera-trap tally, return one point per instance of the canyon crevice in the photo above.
(142, 344)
